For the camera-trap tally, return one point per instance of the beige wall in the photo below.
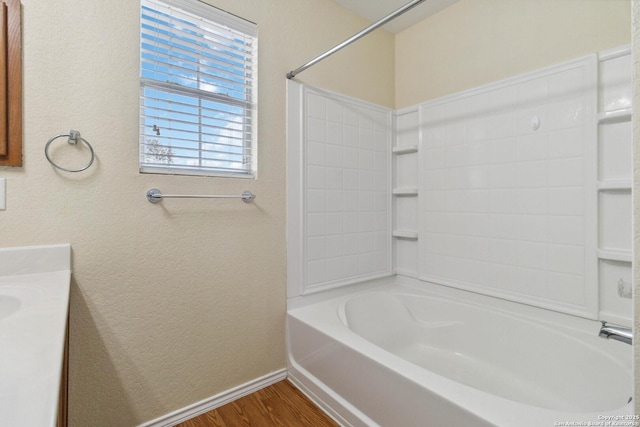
(475, 42)
(176, 302)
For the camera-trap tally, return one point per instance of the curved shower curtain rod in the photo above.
(389, 17)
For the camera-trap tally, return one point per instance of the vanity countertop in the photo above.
(34, 302)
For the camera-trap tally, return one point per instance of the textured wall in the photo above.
(476, 42)
(176, 302)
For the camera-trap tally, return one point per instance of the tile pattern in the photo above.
(346, 189)
(503, 187)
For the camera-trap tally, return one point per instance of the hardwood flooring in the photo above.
(280, 404)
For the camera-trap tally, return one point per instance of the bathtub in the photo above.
(404, 353)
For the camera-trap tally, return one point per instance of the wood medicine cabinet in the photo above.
(10, 83)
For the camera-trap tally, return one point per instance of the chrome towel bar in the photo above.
(154, 196)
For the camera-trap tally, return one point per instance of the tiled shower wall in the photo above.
(520, 189)
(344, 202)
(505, 199)
(524, 189)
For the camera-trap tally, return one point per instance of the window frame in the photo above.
(247, 150)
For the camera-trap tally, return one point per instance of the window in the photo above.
(197, 90)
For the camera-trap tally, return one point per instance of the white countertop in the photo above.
(34, 302)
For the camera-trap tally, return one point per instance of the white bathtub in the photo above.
(400, 356)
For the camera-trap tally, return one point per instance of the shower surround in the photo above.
(518, 191)
(508, 189)
(339, 209)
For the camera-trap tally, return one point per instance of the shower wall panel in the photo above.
(344, 202)
(614, 185)
(507, 189)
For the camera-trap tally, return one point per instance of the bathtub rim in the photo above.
(507, 307)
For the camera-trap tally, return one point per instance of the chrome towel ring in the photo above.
(73, 136)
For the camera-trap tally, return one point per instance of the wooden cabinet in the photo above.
(63, 402)
(10, 83)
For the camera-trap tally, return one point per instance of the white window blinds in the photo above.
(197, 90)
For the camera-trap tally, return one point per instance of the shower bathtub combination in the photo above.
(449, 264)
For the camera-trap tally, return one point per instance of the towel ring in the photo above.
(73, 136)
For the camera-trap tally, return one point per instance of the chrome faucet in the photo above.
(616, 333)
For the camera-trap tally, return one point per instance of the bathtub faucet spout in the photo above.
(616, 333)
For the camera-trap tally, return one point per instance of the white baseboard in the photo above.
(216, 401)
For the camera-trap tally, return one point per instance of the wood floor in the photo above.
(280, 404)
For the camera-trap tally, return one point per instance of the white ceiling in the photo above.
(374, 10)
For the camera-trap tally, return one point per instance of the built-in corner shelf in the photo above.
(622, 115)
(405, 149)
(405, 234)
(615, 255)
(405, 192)
(623, 184)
